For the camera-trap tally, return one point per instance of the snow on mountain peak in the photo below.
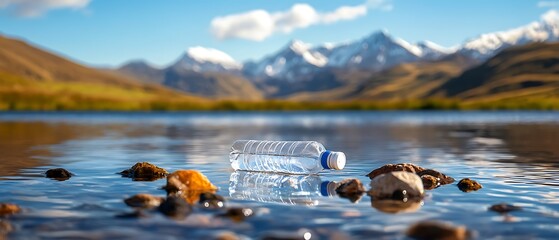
(298, 46)
(486, 45)
(210, 55)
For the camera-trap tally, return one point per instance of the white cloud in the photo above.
(257, 25)
(548, 4)
(203, 54)
(34, 8)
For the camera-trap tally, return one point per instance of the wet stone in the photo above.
(468, 185)
(443, 179)
(237, 214)
(406, 167)
(211, 200)
(188, 180)
(60, 174)
(351, 189)
(504, 208)
(429, 182)
(175, 207)
(144, 171)
(396, 186)
(437, 230)
(8, 209)
(143, 201)
(226, 235)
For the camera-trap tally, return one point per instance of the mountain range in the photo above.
(299, 68)
(519, 65)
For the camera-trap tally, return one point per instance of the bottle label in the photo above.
(324, 159)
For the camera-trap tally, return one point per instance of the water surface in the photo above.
(514, 155)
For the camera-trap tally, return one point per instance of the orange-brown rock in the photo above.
(437, 230)
(442, 178)
(144, 171)
(8, 209)
(143, 201)
(189, 184)
(468, 185)
(407, 167)
(351, 189)
(429, 182)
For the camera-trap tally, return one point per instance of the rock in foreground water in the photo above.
(351, 189)
(144, 171)
(175, 207)
(397, 186)
(430, 182)
(468, 185)
(60, 174)
(188, 180)
(143, 201)
(5, 228)
(504, 208)
(211, 200)
(237, 214)
(8, 209)
(406, 167)
(442, 178)
(437, 230)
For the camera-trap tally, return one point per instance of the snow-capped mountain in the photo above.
(200, 59)
(376, 52)
(296, 58)
(487, 45)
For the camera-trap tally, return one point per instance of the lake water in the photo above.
(514, 155)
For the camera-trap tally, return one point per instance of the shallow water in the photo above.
(514, 155)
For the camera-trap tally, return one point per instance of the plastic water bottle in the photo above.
(297, 157)
(279, 188)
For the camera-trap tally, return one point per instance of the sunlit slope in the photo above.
(521, 73)
(34, 79)
(410, 81)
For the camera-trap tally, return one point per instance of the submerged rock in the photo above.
(468, 185)
(60, 174)
(237, 214)
(504, 208)
(144, 171)
(430, 182)
(211, 200)
(437, 230)
(143, 201)
(406, 167)
(175, 207)
(8, 209)
(397, 186)
(442, 178)
(351, 189)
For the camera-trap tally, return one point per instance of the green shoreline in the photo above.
(275, 105)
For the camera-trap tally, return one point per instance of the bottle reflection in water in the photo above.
(271, 187)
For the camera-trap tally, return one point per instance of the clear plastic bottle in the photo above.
(279, 188)
(297, 157)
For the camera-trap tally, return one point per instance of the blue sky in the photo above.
(111, 32)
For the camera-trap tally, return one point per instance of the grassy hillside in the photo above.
(33, 79)
(518, 74)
